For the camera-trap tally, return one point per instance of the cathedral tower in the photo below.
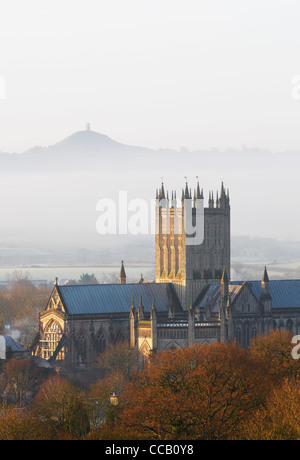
(192, 244)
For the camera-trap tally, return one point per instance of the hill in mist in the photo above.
(87, 150)
(87, 142)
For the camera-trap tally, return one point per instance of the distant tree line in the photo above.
(84, 279)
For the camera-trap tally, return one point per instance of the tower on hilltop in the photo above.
(181, 257)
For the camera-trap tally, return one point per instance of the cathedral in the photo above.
(191, 301)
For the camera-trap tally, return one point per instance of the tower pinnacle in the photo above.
(122, 276)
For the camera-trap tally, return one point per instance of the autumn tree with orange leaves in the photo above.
(274, 352)
(62, 406)
(204, 392)
(20, 377)
(278, 419)
(201, 392)
(216, 391)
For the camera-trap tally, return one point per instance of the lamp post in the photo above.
(114, 400)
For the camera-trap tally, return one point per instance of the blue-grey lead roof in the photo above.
(115, 298)
(284, 293)
(213, 293)
(13, 345)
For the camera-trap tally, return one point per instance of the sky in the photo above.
(199, 74)
(154, 73)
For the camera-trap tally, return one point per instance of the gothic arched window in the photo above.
(51, 338)
(247, 336)
(254, 333)
(120, 336)
(290, 326)
(81, 348)
(101, 341)
(238, 335)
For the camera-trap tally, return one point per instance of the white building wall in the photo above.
(2, 347)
